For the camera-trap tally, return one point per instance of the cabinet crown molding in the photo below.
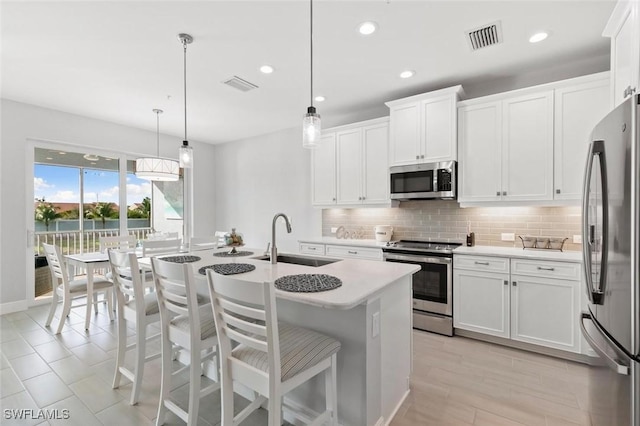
(453, 90)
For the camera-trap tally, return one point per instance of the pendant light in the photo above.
(186, 152)
(156, 168)
(311, 121)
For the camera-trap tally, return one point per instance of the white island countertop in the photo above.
(560, 256)
(362, 280)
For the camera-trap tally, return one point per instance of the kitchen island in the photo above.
(370, 314)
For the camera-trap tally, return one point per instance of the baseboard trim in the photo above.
(11, 307)
(395, 410)
(558, 353)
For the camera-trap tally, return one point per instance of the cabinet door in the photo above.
(375, 179)
(480, 138)
(481, 302)
(527, 147)
(624, 57)
(545, 312)
(404, 143)
(577, 110)
(349, 166)
(438, 129)
(323, 171)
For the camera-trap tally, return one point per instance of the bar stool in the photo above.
(271, 357)
(192, 329)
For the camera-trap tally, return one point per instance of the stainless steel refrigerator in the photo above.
(611, 243)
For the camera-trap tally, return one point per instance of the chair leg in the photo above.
(331, 390)
(138, 372)
(226, 394)
(165, 382)
(54, 305)
(109, 296)
(195, 370)
(95, 302)
(66, 308)
(122, 350)
(275, 409)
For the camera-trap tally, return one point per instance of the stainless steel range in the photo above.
(432, 295)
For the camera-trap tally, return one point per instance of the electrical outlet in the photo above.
(507, 236)
(577, 239)
(375, 324)
(334, 229)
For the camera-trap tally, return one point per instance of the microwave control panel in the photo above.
(444, 180)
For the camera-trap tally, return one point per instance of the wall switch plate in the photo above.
(375, 324)
(507, 236)
(334, 229)
(577, 239)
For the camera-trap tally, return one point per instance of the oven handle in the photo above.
(410, 258)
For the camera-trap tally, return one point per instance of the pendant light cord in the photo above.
(311, 43)
(184, 43)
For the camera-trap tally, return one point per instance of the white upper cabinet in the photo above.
(624, 30)
(423, 128)
(529, 144)
(578, 108)
(323, 171)
(359, 169)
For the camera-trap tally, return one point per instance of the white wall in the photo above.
(21, 122)
(258, 177)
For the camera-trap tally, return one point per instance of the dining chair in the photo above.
(270, 357)
(158, 247)
(186, 324)
(203, 243)
(68, 289)
(134, 308)
(117, 242)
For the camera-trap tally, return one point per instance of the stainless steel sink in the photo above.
(300, 260)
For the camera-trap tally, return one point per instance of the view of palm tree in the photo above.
(46, 213)
(102, 211)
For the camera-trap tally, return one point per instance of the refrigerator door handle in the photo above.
(588, 231)
(611, 363)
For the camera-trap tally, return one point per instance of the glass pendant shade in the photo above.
(311, 129)
(157, 169)
(186, 155)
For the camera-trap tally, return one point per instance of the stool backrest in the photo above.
(156, 247)
(118, 242)
(203, 243)
(127, 277)
(245, 312)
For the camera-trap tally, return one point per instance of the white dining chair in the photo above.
(271, 357)
(158, 247)
(186, 324)
(137, 309)
(68, 289)
(203, 243)
(117, 242)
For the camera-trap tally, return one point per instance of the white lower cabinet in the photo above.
(533, 301)
(341, 251)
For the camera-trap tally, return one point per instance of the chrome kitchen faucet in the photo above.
(274, 250)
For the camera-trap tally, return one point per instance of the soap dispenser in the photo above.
(471, 237)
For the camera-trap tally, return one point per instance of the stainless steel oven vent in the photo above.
(240, 84)
(485, 36)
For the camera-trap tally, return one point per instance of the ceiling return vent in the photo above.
(240, 84)
(485, 36)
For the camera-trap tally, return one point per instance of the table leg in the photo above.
(89, 295)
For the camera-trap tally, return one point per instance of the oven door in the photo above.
(431, 284)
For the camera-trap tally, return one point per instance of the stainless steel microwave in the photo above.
(424, 181)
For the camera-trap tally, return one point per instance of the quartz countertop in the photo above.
(560, 256)
(344, 242)
(362, 280)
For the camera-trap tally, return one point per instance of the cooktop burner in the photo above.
(421, 246)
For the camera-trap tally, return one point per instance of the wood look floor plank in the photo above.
(485, 418)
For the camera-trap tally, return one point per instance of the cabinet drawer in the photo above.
(309, 248)
(354, 252)
(481, 263)
(540, 268)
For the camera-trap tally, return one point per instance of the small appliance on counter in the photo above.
(383, 233)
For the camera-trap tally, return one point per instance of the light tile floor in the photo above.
(456, 381)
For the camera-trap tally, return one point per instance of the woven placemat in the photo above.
(236, 254)
(228, 268)
(180, 259)
(307, 283)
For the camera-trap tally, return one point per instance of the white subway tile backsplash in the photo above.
(446, 221)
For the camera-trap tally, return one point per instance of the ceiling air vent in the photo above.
(240, 84)
(485, 36)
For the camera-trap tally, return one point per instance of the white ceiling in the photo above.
(116, 61)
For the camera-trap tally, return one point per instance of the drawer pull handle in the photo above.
(481, 263)
(312, 248)
(352, 252)
(540, 268)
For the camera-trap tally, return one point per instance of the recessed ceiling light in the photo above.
(319, 98)
(91, 157)
(407, 74)
(266, 69)
(367, 28)
(49, 158)
(538, 37)
(62, 153)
